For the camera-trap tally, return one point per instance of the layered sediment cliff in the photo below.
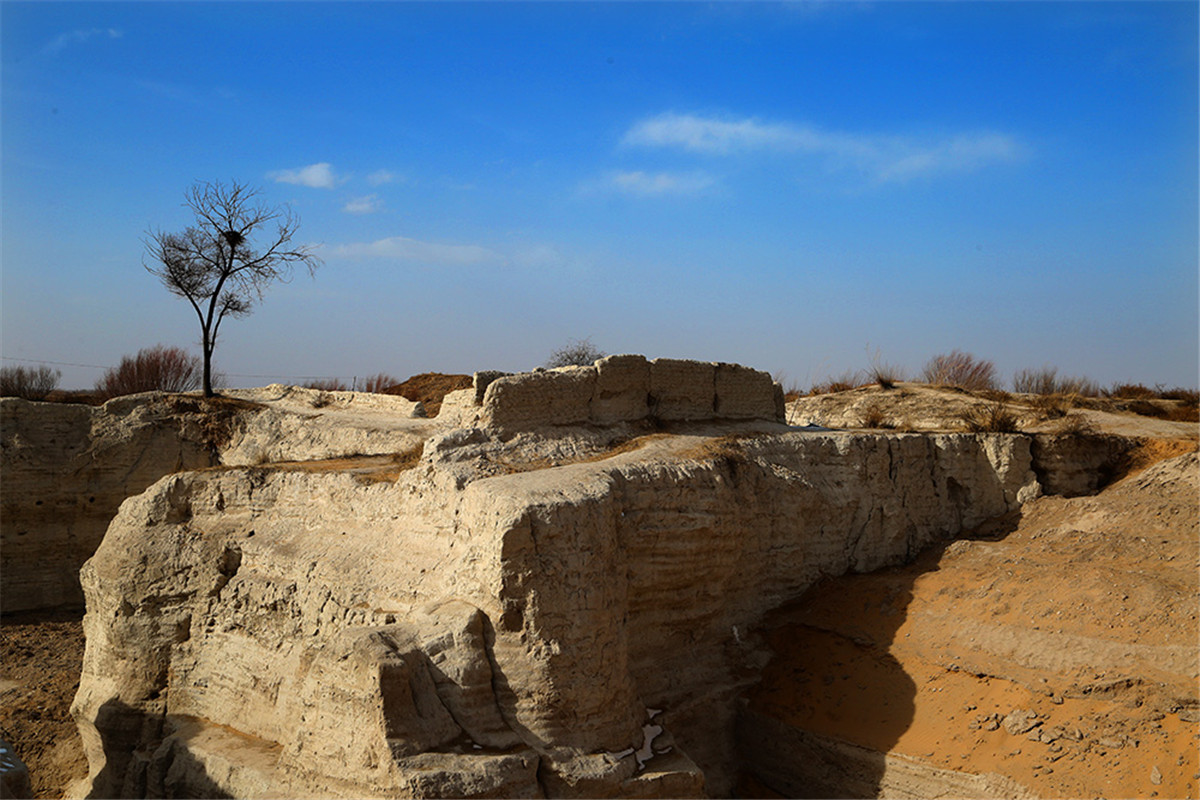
(506, 635)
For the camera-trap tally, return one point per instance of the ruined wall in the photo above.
(67, 468)
(507, 638)
(622, 388)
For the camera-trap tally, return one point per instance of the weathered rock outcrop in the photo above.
(67, 468)
(468, 631)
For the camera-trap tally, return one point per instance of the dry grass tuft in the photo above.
(325, 385)
(1047, 381)
(850, 379)
(1077, 425)
(874, 417)
(885, 374)
(989, 418)
(960, 369)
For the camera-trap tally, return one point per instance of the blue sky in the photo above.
(794, 186)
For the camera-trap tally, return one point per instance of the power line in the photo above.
(227, 374)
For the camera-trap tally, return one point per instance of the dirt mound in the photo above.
(40, 656)
(921, 407)
(1056, 649)
(429, 388)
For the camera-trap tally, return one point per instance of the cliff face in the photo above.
(67, 468)
(578, 630)
(1049, 654)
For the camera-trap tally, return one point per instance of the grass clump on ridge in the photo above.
(960, 369)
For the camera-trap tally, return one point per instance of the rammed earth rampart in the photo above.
(616, 389)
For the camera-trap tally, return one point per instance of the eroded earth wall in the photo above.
(67, 468)
(621, 388)
(254, 631)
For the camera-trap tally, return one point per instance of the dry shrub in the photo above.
(1184, 414)
(989, 418)
(1146, 408)
(1130, 391)
(578, 353)
(1035, 381)
(1188, 397)
(325, 385)
(30, 383)
(153, 369)
(1046, 381)
(378, 384)
(850, 379)
(960, 369)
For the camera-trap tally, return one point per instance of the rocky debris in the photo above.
(1021, 721)
(472, 632)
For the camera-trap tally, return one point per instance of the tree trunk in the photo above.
(207, 348)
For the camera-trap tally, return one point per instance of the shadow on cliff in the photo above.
(136, 766)
(833, 701)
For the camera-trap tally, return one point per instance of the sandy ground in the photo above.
(40, 657)
(1057, 648)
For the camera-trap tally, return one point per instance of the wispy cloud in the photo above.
(65, 40)
(400, 248)
(317, 176)
(887, 158)
(381, 176)
(649, 184)
(363, 205)
(658, 183)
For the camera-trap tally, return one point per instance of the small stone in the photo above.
(1021, 721)
(1156, 776)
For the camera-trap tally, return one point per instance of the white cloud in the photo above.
(960, 154)
(399, 248)
(317, 176)
(887, 158)
(62, 41)
(380, 177)
(658, 183)
(363, 205)
(707, 134)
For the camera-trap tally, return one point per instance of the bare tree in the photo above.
(236, 249)
(578, 353)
